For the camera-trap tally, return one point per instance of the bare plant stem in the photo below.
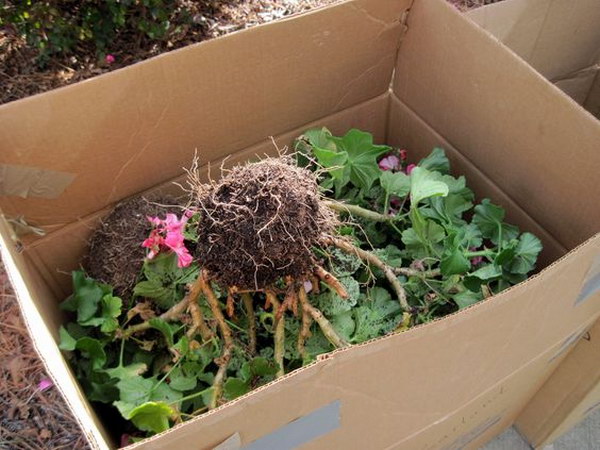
(279, 349)
(416, 273)
(331, 281)
(227, 338)
(249, 306)
(373, 259)
(321, 320)
(172, 314)
(355, 210)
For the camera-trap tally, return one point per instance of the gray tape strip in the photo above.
(590, 287)
(302, 430)
(24, 182)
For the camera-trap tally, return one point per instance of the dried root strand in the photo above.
(290, 301)
(321, 320)
(304, 332)
(330, 280)
(373, 259)
(174, 313)
(230, 306)
(279, 332)
(223, 360)
(249, 307)
(406, 271)
(198, 321)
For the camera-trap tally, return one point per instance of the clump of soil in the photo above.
(115, 254)
(259, 222)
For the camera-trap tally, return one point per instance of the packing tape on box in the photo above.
(591, 285)
(26, 182)
(294, 434)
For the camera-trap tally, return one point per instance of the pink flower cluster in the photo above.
(168, 234)
(394, 163)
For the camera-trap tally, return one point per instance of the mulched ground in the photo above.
(34, 415)
(33, 418)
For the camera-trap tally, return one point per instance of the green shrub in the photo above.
(59, 27)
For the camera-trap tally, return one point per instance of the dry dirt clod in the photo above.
(115, 255)
(259, 223)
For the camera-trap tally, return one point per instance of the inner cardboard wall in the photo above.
(535, 145)
(123, 132)
(558, 38)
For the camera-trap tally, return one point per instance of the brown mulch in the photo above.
(31, 417)
(21, 76)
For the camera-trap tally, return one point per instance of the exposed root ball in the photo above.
(259, 222)
(115, 255)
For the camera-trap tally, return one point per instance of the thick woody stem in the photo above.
(416, 273)
(373, 259)
(279, 332)
(249, 306)
(355, 210)
(331, 281)
(172, 314)
(225, 357)
(321, 320)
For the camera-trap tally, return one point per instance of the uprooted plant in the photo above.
(258, 274)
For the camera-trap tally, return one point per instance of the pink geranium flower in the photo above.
(410, 168)
(109, 59)
(390, 162)
(168, 234)
(403, 154)
(44, 384)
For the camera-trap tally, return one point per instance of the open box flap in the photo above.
(513, 114)
(122, 132)
(555, 37)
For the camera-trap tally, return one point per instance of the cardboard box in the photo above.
(569, 395)
(418, 74)
(559, 38)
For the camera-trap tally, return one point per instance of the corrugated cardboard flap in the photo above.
(200, 97)
(522, 125)
(555, 37)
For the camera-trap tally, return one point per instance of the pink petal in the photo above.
(391, 162)
(410, 168)
(44, 384)
(110, 59)
(403, 154)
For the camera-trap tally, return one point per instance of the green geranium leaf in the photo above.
(487, 272)
(331, 158)
(162, 295)
(234, 387)
(455, 263)
(319, 137)
(527, 251)
(135, 390)
(165, 328)
(436, 161)
(489, 218)
(92, 349)
(67, 342)
(344, 324)
(124, 372)
(152, 416)
(423, 184)
(258, 367)
(467, 298)
(87, 294)
(180, 382)
(395, 183)
(362, 157)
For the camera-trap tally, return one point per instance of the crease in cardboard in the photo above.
(28, 182)
(301, 431)
(591, 284)
(464, 440)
